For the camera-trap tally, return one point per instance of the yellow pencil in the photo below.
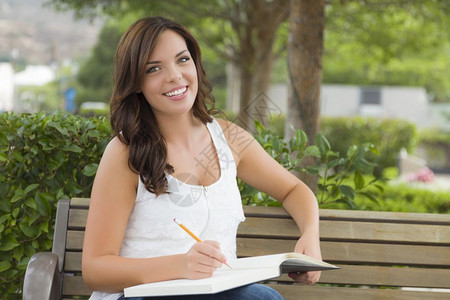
(193, 235)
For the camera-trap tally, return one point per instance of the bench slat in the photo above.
(295, 292)
(350, 231)
(81, 205)
(338, 252)
(329, 230)
(388, 276)
(361, 253)
(349, 274)
(74, 286)
(357, 215)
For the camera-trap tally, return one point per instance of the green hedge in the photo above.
(403, 197)
(42, 160)
(390, 136)
(434, 147)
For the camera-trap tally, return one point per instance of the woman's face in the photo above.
(170, 82)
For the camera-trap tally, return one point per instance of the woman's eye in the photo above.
(152, 69)
(184, 59)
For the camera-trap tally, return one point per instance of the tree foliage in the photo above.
(95, 76)
(389, 43)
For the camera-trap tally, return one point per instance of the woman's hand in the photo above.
(308, 245)
(203, 259)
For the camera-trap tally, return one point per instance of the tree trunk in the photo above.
(305, 47)
(256, 34)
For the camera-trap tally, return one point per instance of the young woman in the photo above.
(171, 159)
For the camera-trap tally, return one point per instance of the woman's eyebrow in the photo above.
(158, 62)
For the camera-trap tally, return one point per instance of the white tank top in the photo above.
(211, 212)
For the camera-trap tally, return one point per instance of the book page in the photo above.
(256, 262)
(299, 261)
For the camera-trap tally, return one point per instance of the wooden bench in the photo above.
(382, 255)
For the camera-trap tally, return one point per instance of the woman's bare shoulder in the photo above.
(231, 129)
(237, 138)
(115, 160)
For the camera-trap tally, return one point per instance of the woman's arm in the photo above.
(112, 201)
(258, 169)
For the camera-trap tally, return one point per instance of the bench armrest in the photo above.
(42, 278)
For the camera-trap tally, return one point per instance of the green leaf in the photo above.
(336, 162)
(58, 127)
(15, 212)
(276, 144)
(42, 204)
(370, 196)
(4, 187)
(379, 187)
(350, 203)
(30, 188)
(5, 204)
(347, 191)
(364, 166)
(322, 143)
(4, 265)
(35, 244)
(72, 148)
(90, 169)
(29, 231)
(301, 139)
(3, 157)
(8, 243)
(351, 151)
(18, 252)
(315, 170)
(359, 181)
(3, 218)
(259, 127)
(18, 194)
(44, 227)
(312, 151)
(22, 265)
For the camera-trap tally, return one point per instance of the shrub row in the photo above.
(434, 147)
(42, 160)
(390, 136)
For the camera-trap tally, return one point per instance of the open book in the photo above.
(244, 271)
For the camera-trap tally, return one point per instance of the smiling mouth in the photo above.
(176, 92)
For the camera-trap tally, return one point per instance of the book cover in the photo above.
(244, 271)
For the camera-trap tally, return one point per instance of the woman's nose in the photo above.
(174, 73)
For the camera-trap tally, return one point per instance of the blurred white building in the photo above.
(34, 75)
(6, 87)
(393, 102)
(11, 99)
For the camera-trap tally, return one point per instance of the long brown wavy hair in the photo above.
(132, 118)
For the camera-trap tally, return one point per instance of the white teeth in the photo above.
(176, 92)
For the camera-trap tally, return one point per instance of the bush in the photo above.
(42, 159)
(434, 146)
(390, 136)
(341, 177)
